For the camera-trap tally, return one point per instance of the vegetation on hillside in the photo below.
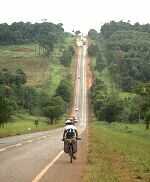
(122, 51)
(31, 82)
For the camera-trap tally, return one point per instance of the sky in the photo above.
(75, 14)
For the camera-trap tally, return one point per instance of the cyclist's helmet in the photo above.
(68, 121)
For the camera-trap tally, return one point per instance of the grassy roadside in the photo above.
(24, 123)
(118, 152)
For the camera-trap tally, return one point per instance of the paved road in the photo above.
(39, 156)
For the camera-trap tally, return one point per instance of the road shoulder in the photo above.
(64, 171)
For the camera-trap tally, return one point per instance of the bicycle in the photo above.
(70, 147)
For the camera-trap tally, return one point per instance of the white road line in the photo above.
(11, 146)
(18, 145)
(41, 174)
(29, 141)
(42, 137)
(85, 87)
(3, 149)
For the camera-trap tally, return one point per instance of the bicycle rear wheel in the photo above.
(71, 153)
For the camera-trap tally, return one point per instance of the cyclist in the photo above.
(70, 131)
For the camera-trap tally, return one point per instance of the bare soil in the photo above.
(23, 50)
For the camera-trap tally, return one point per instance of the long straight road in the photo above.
(39, 157)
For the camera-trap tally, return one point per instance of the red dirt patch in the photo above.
(89, 73)
(23, 50)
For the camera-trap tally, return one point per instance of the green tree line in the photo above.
(122, 49)
(46, 34)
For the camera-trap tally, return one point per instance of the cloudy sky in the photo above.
(77, 14)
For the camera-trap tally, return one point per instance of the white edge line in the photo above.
(10, 146)
(18, 145)
(29, 141)
(41, 174)
(2, 149)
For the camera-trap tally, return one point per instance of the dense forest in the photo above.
(15, 94)
(45, 34)
(123, 50)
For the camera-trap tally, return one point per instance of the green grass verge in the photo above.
(118, 151)
(24, 123)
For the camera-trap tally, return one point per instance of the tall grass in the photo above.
(118, 151)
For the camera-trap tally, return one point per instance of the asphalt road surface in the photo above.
(39, 156)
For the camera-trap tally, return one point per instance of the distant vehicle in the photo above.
(76, 109)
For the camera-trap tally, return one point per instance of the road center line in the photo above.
(44, 137)
(41, 174)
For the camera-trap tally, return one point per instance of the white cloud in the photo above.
(81, 14)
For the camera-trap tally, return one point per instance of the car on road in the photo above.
(76, 109)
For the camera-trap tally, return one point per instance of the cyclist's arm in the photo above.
(64, 134)
(76, 133)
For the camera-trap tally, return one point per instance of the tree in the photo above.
(126, 48)
(29, 98)
(111, 109)
(66, 58)
(147, 119)
(93, 34)
(6, 110)
(143, 90)
(54, 108)
(20, 32)
(92, 50)
(20, 77)
(64, 90)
